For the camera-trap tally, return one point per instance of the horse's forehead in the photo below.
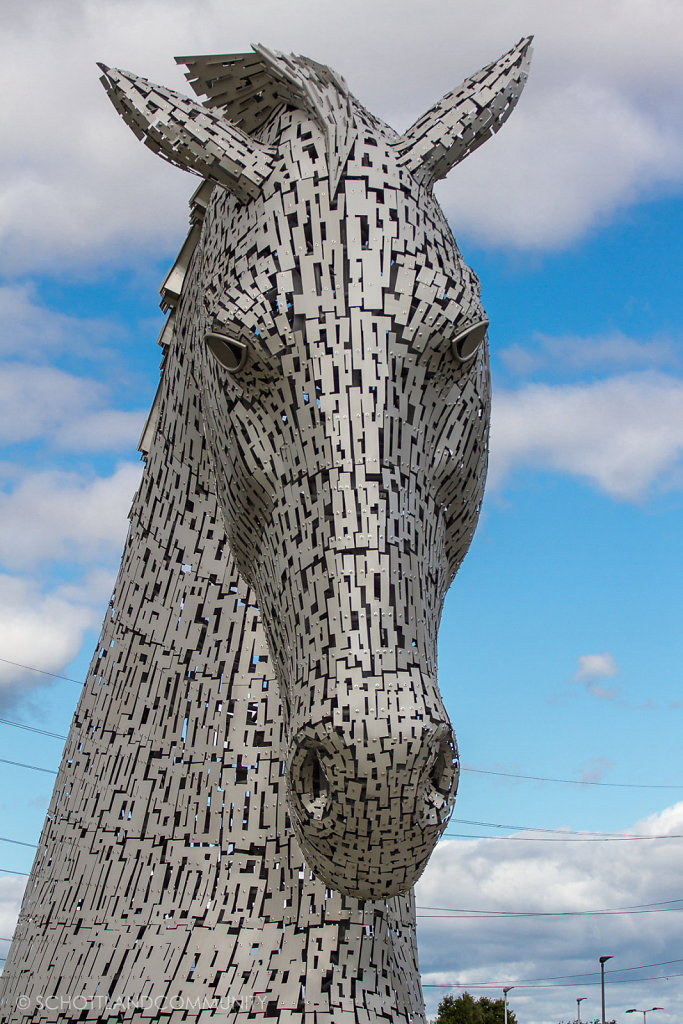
(379, 230)
(299, 220)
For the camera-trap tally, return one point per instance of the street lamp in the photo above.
(507, 989)
(578, 1008)
(602, 983)
(645, 1012)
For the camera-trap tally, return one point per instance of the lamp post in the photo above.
(602, 983)
(645, 1012)
(578, 1008)
(507, 989)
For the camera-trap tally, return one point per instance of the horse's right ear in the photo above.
(188, 134)
(465, 117)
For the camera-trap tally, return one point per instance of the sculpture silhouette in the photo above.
(260, 763)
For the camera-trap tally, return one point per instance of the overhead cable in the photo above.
(32, 728)
(33, 767)
(41, 671)
(571, 782)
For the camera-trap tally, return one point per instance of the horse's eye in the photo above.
(469, 340)
(230, 353)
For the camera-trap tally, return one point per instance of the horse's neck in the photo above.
(167, 866)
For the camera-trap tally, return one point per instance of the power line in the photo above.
(33, 767)
(571, 837)
(456, 913)
(498, 915)
(569, 832)
(568, 977)
(569, 782)
(556, 836)
(568, 836)
(32, 728)
(554, 984)
(18, 842)
(476, 771)
(658, 907)
(31, 668)
(535, 828)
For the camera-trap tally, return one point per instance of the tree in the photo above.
(466, 1010)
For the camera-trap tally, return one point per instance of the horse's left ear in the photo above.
(465, 117)
(188, 134)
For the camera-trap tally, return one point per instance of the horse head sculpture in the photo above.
(338, 345)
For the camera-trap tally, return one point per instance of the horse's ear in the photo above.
(465, 117)
(188, 134)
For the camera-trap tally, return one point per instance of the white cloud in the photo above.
(57, 516)
(31, 330)
(35, 399)
(610, 352)
(555, 876)
(597, 127)
(512, 876)
(602, 692)
(11, 892)
(65, 410)
(574, 157)
(624, 434)
(102, 430)
(595, 666)
(41, 630)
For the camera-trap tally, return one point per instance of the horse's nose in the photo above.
(369, 804)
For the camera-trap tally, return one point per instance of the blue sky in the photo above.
(561, 644)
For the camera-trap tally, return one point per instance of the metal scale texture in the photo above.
(260, 763)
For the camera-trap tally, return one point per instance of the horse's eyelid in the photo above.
(229, 352)
(469, 340)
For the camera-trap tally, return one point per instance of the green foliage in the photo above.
(466, 1010)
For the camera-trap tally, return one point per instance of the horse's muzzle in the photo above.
(370, 798)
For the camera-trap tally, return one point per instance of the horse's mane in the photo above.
(248, 87)
(170, 290)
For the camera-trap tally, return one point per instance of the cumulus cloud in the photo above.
(486, 884)
(595, 666)
(624, 434)
(591, 670)
(11, 893)
(68, 411)
(596, 129)
(520, 875)
(32, 331)
(550, 193)
(53, 516)
(572, 354)
(41, 630)
(63, 522)
(100, 431)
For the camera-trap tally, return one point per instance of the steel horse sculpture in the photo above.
(260, 763)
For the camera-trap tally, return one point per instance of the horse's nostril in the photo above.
(312, 784)
(445, 769)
